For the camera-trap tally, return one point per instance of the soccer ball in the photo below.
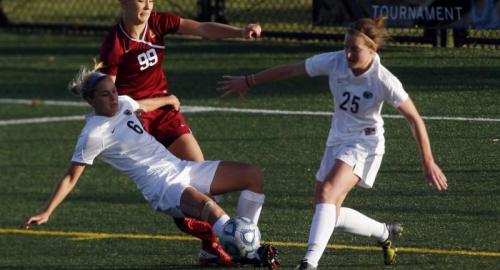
(240, 238)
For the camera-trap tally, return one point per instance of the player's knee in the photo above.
(254, 178)
(327, 194)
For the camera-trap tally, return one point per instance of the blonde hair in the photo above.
(373, 30)
(85, 81)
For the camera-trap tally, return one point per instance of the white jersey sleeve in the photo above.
(394, 93)
(321, 64)
(88, 147)
(129, 102)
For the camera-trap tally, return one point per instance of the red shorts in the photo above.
(165, 125)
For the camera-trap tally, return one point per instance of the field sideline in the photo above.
(90, 236)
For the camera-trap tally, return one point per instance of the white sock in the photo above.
(322, 226)
(354, 222)
(219, 224)
(250, 205)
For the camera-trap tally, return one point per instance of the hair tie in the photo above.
(91, 82)
(365, 36)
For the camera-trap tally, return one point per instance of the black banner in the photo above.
(458, 14)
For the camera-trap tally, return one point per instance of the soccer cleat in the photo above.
(197, 228)
(206, 258)
(211, 252)
(388, 246)
(215, 256)
(304, 265)
(268, 257)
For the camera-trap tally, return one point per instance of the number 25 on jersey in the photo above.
(350, 104)
(147, 59)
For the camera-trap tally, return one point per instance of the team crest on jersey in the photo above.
(367, 94)
(127, 112)
(152, 34)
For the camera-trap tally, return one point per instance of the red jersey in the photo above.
(137, 63)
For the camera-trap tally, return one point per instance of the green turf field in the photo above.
(105, 223)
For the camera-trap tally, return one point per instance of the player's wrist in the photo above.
(247, 82)
(250, 80)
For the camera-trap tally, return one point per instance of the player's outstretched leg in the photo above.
(389, 246)
(211, 252)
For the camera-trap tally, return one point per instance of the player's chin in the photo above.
(113, 109)
(353, 65)
(144, 16)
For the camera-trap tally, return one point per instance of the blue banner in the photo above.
(458, 14)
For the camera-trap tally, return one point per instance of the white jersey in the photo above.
(121, 141)
(358, 100)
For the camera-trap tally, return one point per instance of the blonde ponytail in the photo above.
(85, 80)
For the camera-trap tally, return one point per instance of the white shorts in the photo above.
(361, 156)
(198, 175)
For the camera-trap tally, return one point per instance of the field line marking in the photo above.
(197, 109)
(43, 102)
(79, 236)
(400, 249)
(96, 236)
(41, 120)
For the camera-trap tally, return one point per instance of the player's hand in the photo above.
(175, 103)
(233, 84)
(434, 176)
(38, 220)
(139, 113)
(252, 31)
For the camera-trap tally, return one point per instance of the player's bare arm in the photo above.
(212, 30)
(241, 84)
(432, 172)
(151, 104)
(62, 189)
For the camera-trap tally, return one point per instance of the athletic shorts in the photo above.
(361, 156)
(165, 125)
(198, 175)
